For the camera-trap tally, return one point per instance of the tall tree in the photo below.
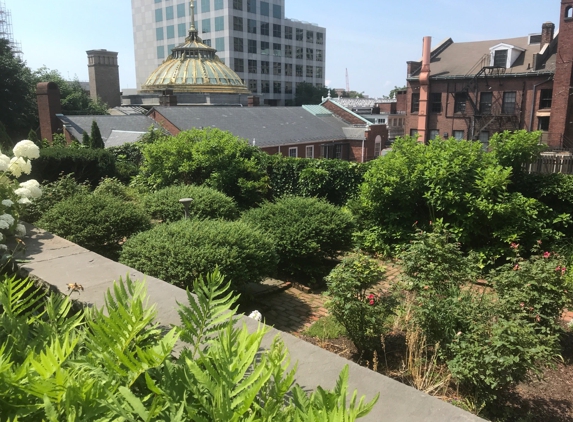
(17, 99)
(96, 139)
(86, 139)
(75, 100)
(307, 93)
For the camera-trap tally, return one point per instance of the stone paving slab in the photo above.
(398, 402)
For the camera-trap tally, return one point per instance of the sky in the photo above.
(371, 39)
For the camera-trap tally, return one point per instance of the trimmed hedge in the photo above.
(96, 222)
(305, 231)
(181, 251)
(87, 165)
(207, 203)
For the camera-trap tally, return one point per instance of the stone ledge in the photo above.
(57, 263)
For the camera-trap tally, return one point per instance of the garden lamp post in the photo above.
(186, 202)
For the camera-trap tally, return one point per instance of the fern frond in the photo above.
(208, 312)
(19, 297)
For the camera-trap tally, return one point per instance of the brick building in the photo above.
(474, 89)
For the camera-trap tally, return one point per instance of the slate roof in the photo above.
(77, 125)
(120, 137)
(450, 59)
(268, 126)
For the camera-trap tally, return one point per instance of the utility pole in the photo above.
(347, 81)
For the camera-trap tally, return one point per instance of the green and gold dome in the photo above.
(194, 67)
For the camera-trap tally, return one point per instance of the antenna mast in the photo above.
(347, 81)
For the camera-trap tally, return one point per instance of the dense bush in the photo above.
(207, 203)
(113, 187)
(361, 311)
(468, 188)
(97, 222)
(86, 165)
(489, 338)
(178, 252)
(116, 363)
(209, 157)
(305, 231)
(52, 193)
(337, 181)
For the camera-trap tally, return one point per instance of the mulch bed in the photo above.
(546, 400)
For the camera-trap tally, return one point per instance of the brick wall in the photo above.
(163, 122)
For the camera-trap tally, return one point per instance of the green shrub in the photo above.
(337, 181)
(207, 203)
(358, 309)
(52, 193)
(112, 186)
(97, 222)
(86, 165)
(178, 252)
(119, 364)
(209, 157)
(490, 339)
(305, 232)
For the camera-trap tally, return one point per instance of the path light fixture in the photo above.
(186, 202)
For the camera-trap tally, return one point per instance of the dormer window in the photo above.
(504, 55)
(500, 58)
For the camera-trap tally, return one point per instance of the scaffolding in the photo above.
(6, 29)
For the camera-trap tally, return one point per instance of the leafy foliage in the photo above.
(116, 363)
(97, 222)
(463, 185)
(207, 203)
(87, 165)
(179, 252)
(337, 181)
(18, 105)
(361, 311)
(209, 157)
(307, 93)
(52, 193)
(490, 338)
(305, 231)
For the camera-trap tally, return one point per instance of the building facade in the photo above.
(271, 53)
(472, 90)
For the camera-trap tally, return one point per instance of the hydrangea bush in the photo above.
(13, 194)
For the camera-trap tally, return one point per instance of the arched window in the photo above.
(569, 12)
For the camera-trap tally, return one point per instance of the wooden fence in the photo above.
(552, 162)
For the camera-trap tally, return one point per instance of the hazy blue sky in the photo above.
(373, 39)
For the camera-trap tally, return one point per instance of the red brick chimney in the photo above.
(547, 31)
(424, 89)
(48, 98)
(561, 123)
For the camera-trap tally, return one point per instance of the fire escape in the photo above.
(488, 111)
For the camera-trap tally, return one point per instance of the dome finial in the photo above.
(192, 29)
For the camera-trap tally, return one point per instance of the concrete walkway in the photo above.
(58, 263)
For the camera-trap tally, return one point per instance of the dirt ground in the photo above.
(547, 400)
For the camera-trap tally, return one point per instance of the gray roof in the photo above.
(120, 137)
(268, 126)
(451, 59)
(77, 125)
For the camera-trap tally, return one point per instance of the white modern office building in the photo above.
(271, 53)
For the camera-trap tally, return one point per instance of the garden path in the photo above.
(293, 308)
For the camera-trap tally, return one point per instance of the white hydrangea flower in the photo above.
(26, 149)
(7, 218)
(19, 165)
(24, 201)
(20, 230)
(4, 225)
(32, 188)
(1, 237)
(7, 203)
(3, 247)
(4, 162)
